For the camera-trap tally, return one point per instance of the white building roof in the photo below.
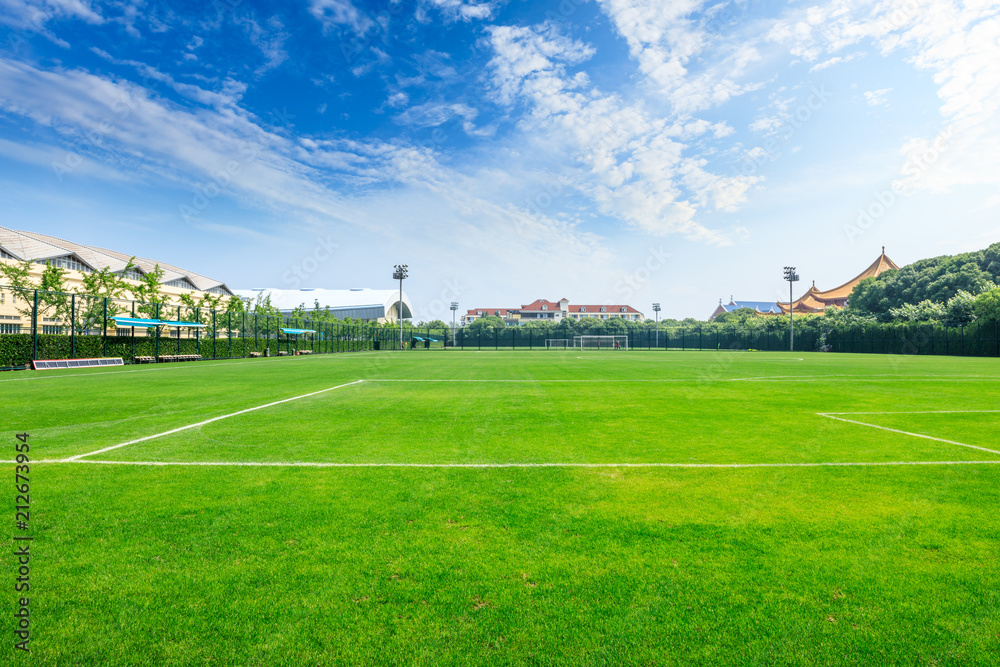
(33, 246)
(290, 299)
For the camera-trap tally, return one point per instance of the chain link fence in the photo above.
(54, 325)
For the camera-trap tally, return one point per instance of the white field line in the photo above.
(914, 412)
(305, 464)
(782, 378)
(830, 415)
(208, 421)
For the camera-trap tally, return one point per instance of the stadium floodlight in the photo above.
(454, 308)
(791, 277)
(399, 274)
(656, 310)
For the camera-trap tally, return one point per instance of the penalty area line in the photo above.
(830, 415)
(207, 421)
(306, 464)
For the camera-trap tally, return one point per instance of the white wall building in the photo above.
(378, 305)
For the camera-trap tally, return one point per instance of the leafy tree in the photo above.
(53, 297)
(98, 286)
(988, 305)
(960, 309)
(487, 322)
(437, 325)
(148, 292)
(937, 279)
(925, 311)
(17, 276)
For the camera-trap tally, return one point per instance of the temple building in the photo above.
(814, 300)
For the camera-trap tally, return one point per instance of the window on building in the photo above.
(67, 262)
(604, 317)
(479, 312)
(183, 283)
(583, 309)
(218, 290)
(623, 309)
(6, 255)
(10, 328)
(52, 330)
(545, 307)
(604, 309)
(131, 274)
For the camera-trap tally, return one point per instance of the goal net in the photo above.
(557, 343)
(600, 342)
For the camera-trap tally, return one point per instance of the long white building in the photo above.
(373, 305)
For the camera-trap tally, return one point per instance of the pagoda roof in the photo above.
(815, 300)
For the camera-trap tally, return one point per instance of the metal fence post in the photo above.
(34, 328)
(104, 335)
(133, 333)
(215, 335)
(157, 333)
(72, 326)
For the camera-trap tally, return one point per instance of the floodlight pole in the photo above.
(791, 277)
(454, 309)
(399, 274)
(656, 310)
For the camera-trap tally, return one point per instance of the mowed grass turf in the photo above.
(144, 565)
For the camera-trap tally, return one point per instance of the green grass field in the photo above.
(508, 508)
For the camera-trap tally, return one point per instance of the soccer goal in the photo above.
(600, 342)
(557, 343)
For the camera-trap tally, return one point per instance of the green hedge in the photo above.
(15, 349)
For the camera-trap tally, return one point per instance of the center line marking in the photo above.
(207, 421)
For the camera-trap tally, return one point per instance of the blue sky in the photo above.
(607, 151)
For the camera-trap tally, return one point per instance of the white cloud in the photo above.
(955, 42)
(340, 13)
(836, 60)
(667, 41)
(466, 10)
(629, 162)
(269, 39)
(318, 183)
(877, 98)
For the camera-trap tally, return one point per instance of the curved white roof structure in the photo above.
(358, 303)
(31, 246)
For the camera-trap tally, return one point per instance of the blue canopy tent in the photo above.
(294, 332)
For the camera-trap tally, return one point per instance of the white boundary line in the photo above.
(832, 415)
(207, 421)
(304, 464)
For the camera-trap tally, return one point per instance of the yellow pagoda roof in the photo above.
(815, 300)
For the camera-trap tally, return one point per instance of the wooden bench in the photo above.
(256, 354)
(145, 360)
(303, 352)
(282, 353)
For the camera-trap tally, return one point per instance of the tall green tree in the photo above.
(53, 296)
(988, 305)
(17, 276)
